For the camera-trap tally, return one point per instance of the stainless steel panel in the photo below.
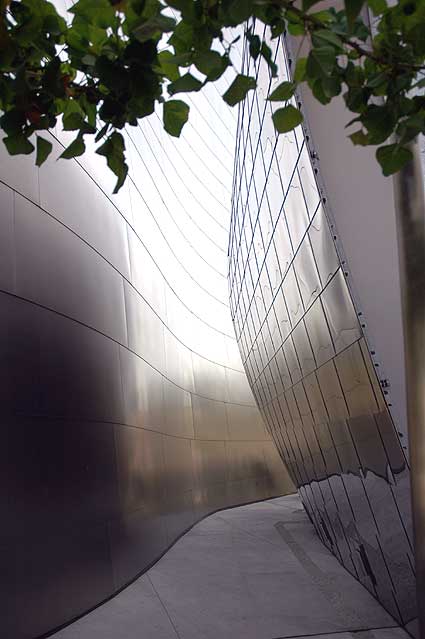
(145, 275)
(340, 313)
(307, 275)
(67, 558)
(315, 383)
(307, 181)
(210, 379)
(238, 390)
(332, 393)
(135, 539)
(292, 297)
(323, 246)
(179, 478)
(70, 478)
(245, 423)
(55, 269)
(208, 459)
(143, 390)
(303, 349)
(79, 371)
(292, 360)
(145, 329)
(106, 457)
(140, 462)
(355, 381)
(295, 211)
(178, 411)
(209, 418)
(85, 209)
(20, 173)
(7, 240)
(318, 333)
(283, 368)
(178, 362)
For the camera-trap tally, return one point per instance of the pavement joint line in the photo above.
(164, 607)
(341, 632)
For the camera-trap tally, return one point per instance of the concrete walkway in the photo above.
(255, 572)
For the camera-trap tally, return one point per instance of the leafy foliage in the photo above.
(114, 60)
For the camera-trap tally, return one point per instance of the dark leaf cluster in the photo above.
(110, 62)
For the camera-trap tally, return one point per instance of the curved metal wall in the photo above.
(126, 414)
(306, 359)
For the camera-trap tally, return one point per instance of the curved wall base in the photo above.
(126, 414)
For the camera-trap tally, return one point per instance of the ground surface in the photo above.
(254, 572)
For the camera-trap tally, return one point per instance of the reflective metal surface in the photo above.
(127, 415)
(306, 359)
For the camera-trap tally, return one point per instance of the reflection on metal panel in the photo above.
(126, 411)
(309, 367)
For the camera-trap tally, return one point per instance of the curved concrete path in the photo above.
(254, 572)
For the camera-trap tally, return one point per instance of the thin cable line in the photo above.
(219, 202)
(164, 203)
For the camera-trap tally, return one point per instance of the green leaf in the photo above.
(352, 9)
(392, 158)
(89, 59)
(75, 149)
(18, 144)
(331, 86)
(185, 84)
(321, 61)
(97, 12)
(296, 28)
(266, 53)
(254, 45)
(410, 127)
(238, 11)
(377, 80)
(238, 89)
(377, 6)
(52, 80)
(356, 99)
(54, 25)
(211, 64)
(72, 116)
(326, 37)
(12, 122)
(359, 138)
(325, 17)
(154, 27)
(283, 92)
(182, 38)
(318, 91)
(185, 6)
(44, 148)
(379, 122)
(287, 118)
(300, 70)
(306, 4)
(175, 116)
(113, 150)
(167, 66)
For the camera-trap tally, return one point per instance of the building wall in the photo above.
(306, 358)
(361, 200)
(126, 413)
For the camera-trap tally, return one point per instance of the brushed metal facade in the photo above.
(306, 358)
(126, 413)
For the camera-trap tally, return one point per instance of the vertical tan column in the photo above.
(410, 213)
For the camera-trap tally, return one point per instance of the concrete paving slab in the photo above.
(254, 572)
